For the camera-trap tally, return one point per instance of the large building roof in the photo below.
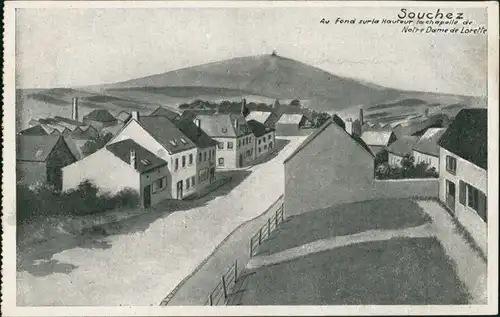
(166, 133)
(35, 148)
(428, 142)
(320, 130)
(467, 136)
(100, 115)
(376, 138)
(293, 118)
(145, 160)
(35, 130)
(258, 128)
(223, 125)
(403, 145)
(260, 116)
(194, 133)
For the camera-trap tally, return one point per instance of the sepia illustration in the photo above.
(251, 156)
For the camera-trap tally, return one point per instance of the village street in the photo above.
(139, 267)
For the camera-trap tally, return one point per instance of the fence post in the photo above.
(276, 220)
(251, 247)
(210, 301)
(224, 287)
(235, 271)
(282, 211)
(260, 236)
(268, 227)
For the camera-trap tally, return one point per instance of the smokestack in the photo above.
(133, 159)
(135, 115)
(361, 119)
(236, 123)
(74, 113)
(243, 106)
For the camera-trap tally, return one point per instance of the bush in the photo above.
(408, 169)
(43, 201)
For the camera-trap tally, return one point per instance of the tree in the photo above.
(295, 103)
(95, 143)
(381, 157)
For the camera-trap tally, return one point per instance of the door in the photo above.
(241, 160)
(450, 195)
(212, 174)
(147, 196)
(179, 190)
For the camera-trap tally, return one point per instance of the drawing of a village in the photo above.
(247, 156)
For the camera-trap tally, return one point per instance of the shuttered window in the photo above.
(462, 193)
(482, 206)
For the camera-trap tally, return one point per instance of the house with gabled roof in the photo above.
(162, 137)
(399, 148)
(264, 137)
(267, 118)
(329, 167)
(123, 165)
(40, 158)
(99, 119)
(235, 140)
(463, 171)
(162, 111)
(378, 140)
(427, 148)
(290, 124)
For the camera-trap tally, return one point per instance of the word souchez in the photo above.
(431, 15)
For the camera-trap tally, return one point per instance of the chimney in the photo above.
(243, 106)
(135, 115)
(74, 113)
(133, 159)
(361, 120)
(426, 112)
(236, 123)
(198, 124)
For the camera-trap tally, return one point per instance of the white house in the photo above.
(378, 140)
(463, 171)
(122, 165)
(235, 141)
(426, 149)
(162, 137)
(400, 147)
(264, 137)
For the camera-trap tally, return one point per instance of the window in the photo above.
(229, 145)
(220, 145)
(265, 146)
(462, 196)
(260, 141)
(221, 161)
(248, 153)
(209, 155)
(239, 143)
(183, 161)
(183, 141)
(259, 150)
(193, 181)
(270, 145)
(451, 164)
(190, 159)
(199, 157)
(205, 157)
(269, 137)
(203, 174)
(159, 184)
(472, 197)
(173, 142)
(187, 183)
(176, 164)
(213, 154)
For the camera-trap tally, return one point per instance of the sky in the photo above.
(79, 47)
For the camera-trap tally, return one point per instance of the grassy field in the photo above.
(391, 272)
(344, 220)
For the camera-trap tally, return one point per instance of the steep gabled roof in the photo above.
(123, 116)
(260, 116)
(258, 129)
(195, 134)
(320, 130)
(428, 142)
(100, 115)
(467, 136)
(223, 125)
(403, 145)
(166, 133)
(162, 111)
(294, 118)
(377, 138)
(35, 130)
(145, 160)
(35, 148)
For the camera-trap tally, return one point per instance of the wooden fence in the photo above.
(265, 231)
(219, 294)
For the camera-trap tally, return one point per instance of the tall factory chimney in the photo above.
(74, 112)
(361, 120)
